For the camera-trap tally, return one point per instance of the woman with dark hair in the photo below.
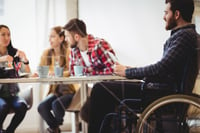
(59, 96)
(11, 58)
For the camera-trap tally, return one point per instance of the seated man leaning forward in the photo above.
(94, 54)
(162, 78)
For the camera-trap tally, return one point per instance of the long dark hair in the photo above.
(63, 47)
(11, 50)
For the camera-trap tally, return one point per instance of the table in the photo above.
(83, 80)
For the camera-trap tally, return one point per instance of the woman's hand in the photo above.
(34, 75)
(21, 55)
(8, 58)
(23, 59)
(51, 73)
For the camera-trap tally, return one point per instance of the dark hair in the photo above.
(77, 26)
(186, 8)
(4, 26)
(11, 50)
(63, 47)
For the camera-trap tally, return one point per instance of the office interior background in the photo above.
(134, 28)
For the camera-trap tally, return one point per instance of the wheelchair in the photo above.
(187, 115)
(167, 114)
(144, 123)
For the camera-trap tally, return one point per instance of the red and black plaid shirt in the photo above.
(99, 57)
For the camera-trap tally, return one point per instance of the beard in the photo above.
(74, 45)
(171, 24)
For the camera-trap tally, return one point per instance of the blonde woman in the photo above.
(52, 108)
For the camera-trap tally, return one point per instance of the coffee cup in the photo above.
(78, 70)
(58, 71)
(43, 71)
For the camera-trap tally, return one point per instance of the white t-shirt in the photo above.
(85, 58)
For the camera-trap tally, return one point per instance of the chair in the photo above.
(27, 94)
(75, 107)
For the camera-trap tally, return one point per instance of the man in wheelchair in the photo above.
(174, 73)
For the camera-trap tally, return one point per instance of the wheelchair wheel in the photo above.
(153, 120)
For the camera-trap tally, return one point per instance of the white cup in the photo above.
(43, 71)
(58, 71)
(78, 70)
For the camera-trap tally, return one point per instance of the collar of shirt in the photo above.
(91, 43)
(184, 27)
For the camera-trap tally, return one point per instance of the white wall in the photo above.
(29, 22)
(20, 17)
(135, 28)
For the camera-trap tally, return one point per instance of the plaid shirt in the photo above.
(177, 49)
(99, 57)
